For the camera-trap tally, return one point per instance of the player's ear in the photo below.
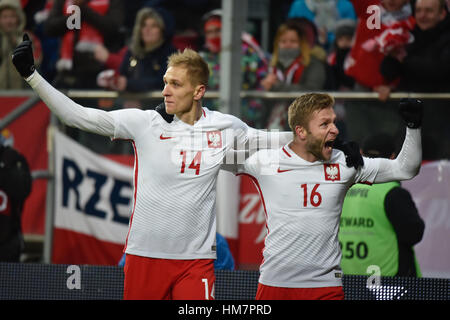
(300, 131)
(199, 91)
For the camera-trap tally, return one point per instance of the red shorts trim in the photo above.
(166, 279)
(277, 293)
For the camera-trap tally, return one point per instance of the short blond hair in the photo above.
(302, 108)
(196, 66)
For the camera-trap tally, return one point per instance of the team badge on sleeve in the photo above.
(332, 172)
(214, 139)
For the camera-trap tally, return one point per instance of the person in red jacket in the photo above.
(383, 28)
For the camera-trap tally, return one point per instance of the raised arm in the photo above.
(69, 112)
(407, 163)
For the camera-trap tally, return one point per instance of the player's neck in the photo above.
(300, 149)
(193, 115)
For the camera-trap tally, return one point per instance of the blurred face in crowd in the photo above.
(289, 47)
(213, 29)
(393, 5)
(429, 13)
(344, 42)
(150, 31)
(289, 40)
(8, 20)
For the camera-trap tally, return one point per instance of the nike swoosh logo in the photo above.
(164, 138)
(281, 171)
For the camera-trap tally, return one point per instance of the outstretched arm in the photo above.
(407, 163)
(69, 112)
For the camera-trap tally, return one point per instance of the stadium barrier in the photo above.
(30, 281)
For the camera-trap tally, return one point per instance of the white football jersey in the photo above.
(175, 172)
(303, 203)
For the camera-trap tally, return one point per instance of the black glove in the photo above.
(411, 110)
(22, 57)
(161, 109)
(353, 156)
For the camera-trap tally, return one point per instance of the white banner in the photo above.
(430, 190)
(93, 195)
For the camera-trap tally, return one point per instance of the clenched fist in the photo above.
(411, 110)
(22, 57)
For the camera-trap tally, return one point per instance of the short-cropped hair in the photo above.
(302, 108)
(196, 66)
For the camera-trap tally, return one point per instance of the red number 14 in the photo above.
(195, 164)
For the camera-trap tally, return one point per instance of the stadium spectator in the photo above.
(188, 16)
(381, 31)
(12, 24)
(100, 24)
(337, 80)
(254, 66)
(308, 28)
(426, 65)
(50, 45)
(30, 8)
(380, 223)
(15, 187)
(383, 28)
(426, 68)
(111, 60)
(336, 77)
(295, 66)
(303, 185)
(144, 63)
(170, 246)
(325, 14)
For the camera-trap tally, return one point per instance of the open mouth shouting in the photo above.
(328, 145)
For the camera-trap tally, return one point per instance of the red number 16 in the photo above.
(315, 198)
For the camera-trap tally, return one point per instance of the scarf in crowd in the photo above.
(292, 74)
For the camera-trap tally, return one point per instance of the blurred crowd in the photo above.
(335, 45)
